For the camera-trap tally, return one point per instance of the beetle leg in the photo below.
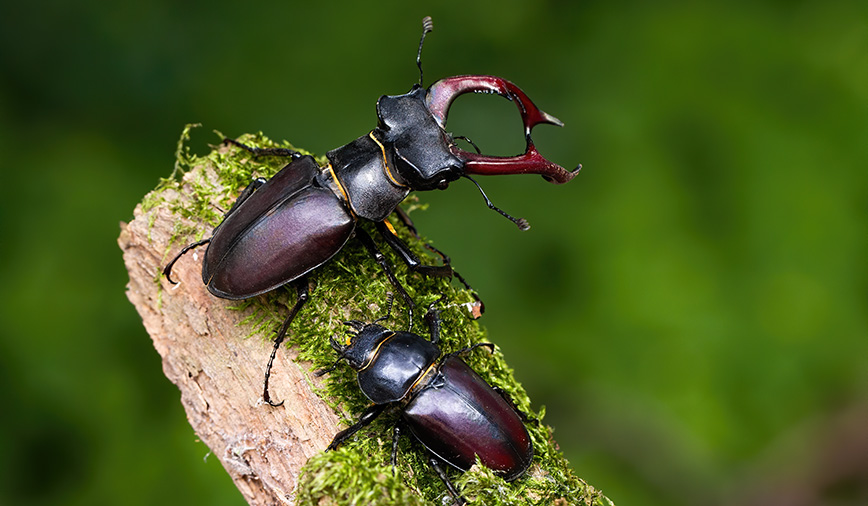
(468, 141)
(508, 398)
(408, 257)
(366, 240)
(167, 270)
(478, 307)
(263, 151)
(408, 222)
(245, 194)
(432, 318)
(435, 463)
(464, 351)
(396, 435)
(302, 290)
(367, 417)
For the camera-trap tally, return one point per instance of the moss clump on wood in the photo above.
(352, 286)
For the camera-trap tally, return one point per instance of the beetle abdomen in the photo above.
(461, 417)
(281, 232)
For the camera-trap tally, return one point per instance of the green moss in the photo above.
(352, 286)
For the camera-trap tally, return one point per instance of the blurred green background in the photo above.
(692, 309)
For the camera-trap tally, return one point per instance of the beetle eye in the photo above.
(442, 184)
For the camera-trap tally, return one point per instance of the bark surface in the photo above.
(219, 370)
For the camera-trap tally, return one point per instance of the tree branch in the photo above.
(219, 371)
(274, 455)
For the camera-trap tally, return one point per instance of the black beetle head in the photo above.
(361, 344)
(422, 150)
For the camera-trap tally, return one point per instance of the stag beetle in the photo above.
(279, 230)
(452, 411)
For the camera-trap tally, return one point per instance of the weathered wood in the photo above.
(219, 371)
(208, 353)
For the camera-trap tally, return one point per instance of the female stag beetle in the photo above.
(452, 411)
(281, 229)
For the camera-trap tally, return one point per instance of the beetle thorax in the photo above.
(395, 365)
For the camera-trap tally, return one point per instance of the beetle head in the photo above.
(412, 127)
(361, 343)
(422, 149)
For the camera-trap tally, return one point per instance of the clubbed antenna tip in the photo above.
(521, 223)
(427, 26)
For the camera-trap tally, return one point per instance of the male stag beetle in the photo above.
(452, 411)
(281, 229)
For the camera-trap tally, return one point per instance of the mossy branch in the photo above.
(215, 351)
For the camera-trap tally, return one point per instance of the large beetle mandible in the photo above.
(281, 229)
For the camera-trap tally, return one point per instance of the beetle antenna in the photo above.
(355, 325)
(390, 298)
(427, 26)
(520, 222)
(326, 370)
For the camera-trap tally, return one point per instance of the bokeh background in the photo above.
(692, 309)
